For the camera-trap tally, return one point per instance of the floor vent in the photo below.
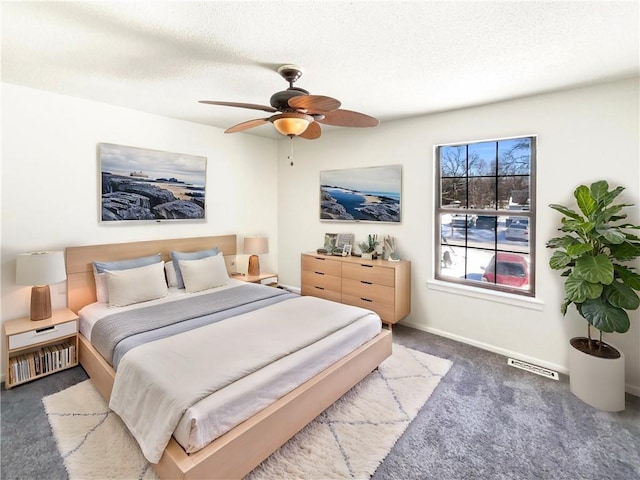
(529, 367)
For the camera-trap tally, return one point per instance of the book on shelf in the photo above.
(23, 367)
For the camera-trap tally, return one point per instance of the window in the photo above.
(485, 214)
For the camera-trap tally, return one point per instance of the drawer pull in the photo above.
(366, 283)
(366, 299)
(318, 258)
(319, 288)
(318, 273)
(41, 331)
(368, 266)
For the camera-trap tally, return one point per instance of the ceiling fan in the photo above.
(297, 113)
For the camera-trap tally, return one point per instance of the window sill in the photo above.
(500, 297)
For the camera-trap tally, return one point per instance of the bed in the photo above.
(236, 452)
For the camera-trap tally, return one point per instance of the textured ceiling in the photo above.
(389, 59)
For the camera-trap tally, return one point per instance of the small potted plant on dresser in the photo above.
(368, 248)
(593, 255)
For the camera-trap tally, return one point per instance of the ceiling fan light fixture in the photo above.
(291, 124)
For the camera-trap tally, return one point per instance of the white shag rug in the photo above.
(348, 440)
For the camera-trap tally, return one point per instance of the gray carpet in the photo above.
(485, 420)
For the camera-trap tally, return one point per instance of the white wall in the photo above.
(584, 135)
(50, 180)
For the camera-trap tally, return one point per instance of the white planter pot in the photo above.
(597, 381)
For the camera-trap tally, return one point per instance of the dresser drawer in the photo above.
(386, 312)
(320, 292)
(369, 273)
(328, 266)
(45, 334)
(370, 291)
(317, 279)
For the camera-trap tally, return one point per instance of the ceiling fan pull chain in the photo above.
(290, 157)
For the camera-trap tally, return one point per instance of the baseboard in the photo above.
(632, 389)
(290, 288)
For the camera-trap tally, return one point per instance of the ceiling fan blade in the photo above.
(347, 118)
(312, 132)
(314, 103)
(252, 106)
(246, 125)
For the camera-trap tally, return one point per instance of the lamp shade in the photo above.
(40, 268)
(291, 123)
(256, 245)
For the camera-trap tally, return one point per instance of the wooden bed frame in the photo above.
(237, 452)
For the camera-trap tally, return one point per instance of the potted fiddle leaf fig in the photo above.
(593, 254)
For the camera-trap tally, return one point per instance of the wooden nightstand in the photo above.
(258, 278)
(34, 349)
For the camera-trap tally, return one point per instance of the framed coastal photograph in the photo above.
(142, 185)
(370, 194)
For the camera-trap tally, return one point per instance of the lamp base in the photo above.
(254, 266)
(40, 303)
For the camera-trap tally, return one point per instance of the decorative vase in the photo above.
(367, 256)
(597, 381)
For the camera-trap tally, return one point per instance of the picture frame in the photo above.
(344, 239)
(346, 250)
(330, 241)
(144, 185)
(368, 194)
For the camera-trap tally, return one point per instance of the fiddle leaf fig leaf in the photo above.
(612, 235)
(609, 213)
(559, 260)
(628, 277)
(578, 290)
(604, 316)
(598, 269)
(569, 225)
(609, 197)
(578, 249)
(625, 251)
(599, 190)
(586, 202)
(566, 211)
(622, 296)
(561, 242)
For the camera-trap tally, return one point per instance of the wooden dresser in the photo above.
(379, 285)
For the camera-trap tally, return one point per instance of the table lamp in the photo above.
(255, 246)
(40, 269)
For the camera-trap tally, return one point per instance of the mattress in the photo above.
(219, 412)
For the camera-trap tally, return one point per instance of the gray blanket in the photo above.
(111, 330)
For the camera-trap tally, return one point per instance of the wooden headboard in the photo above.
(81, 287)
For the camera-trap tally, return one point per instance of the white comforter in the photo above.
(157, 382)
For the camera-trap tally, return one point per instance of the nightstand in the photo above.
(34, 349)
(259, 278)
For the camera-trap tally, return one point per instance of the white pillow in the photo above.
(100, 277)
(208, 272)
(170, 271)
(102, 289)
(136, 284)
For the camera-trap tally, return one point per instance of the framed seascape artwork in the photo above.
(137, 184)
(370, 194)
